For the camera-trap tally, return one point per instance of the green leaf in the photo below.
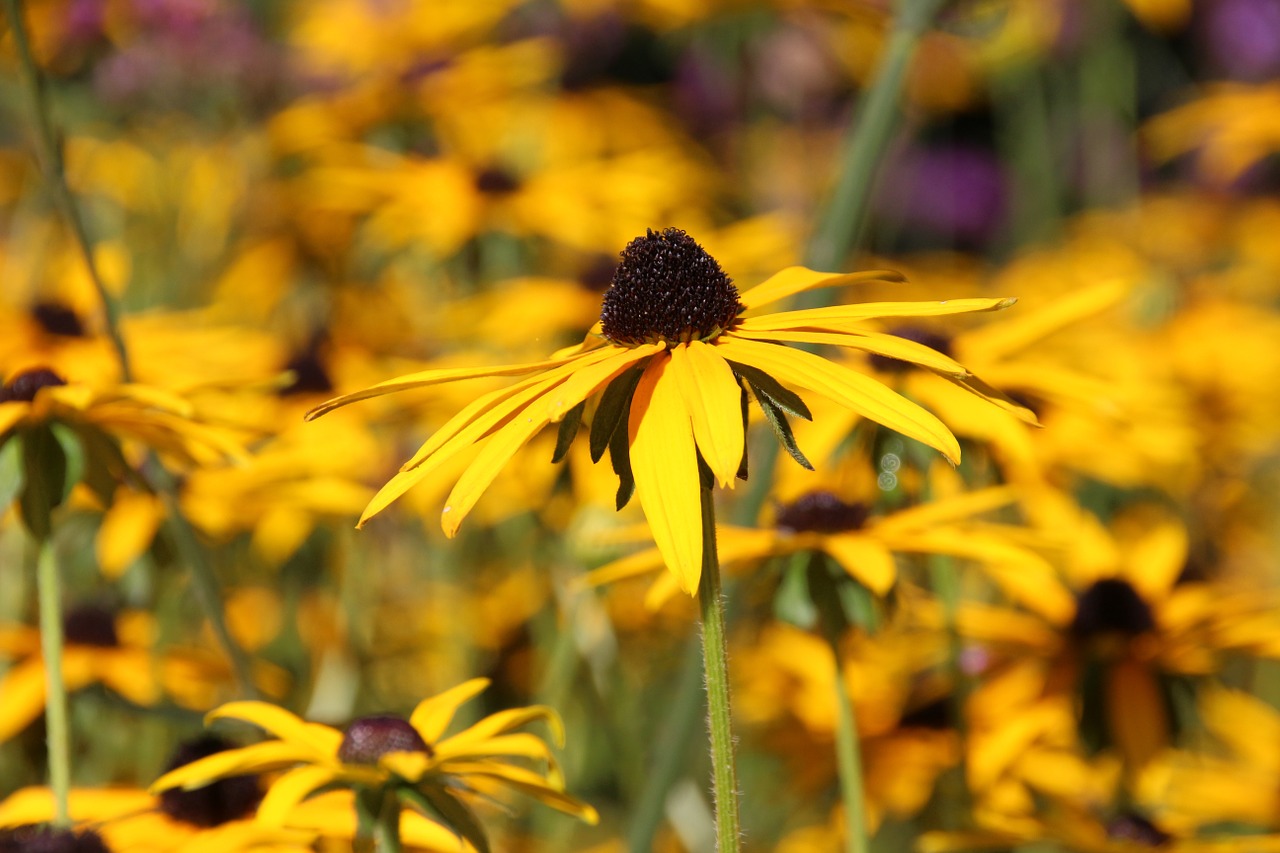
(764, 384)
(777, 419)
(11, 474)
(568, 432)
(106, 466)
(792, 603)
(620, 458)
(45, 468)
(74, 452)
(615, 402)
(436, 802)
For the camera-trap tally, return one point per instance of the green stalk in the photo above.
(368, 816)
(715, 661)
(849, 762)
(55, 709)
(49, 157)
(842, 225)
(387, 830)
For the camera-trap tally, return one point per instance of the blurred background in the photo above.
(291, 200)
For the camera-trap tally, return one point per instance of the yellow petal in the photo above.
(425, 378)
(23, 688)
(521, 745)
(127, 529)
(528, 782)
(289, 790)
(12, 412)
(258, 758)
(1155, 560)
(322, 740)
(503, 722)
(864, 559)
(889, 346)
(996, 340)
(713, 399)
(246, 835)
(843, 318)
(432, 716)
(586, 381)
(793, 280)
(947, 510)
(861, 393)
(664, 462)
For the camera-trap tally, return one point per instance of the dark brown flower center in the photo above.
(1111, 606)
(309, 373)
(58, 319)
(933, 340)
(496, 181)
(24, 385)
(370, 738)
(46, 839)
(91, 625)
(1136, 828)
(667, 288)
(820, 512)
(227, 799)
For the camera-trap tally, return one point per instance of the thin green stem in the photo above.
(49, 157)
(843, 223)
(849, 762)
(387, 831)
(59, 734)
(715, 660)
(208, 590)
(368, 816)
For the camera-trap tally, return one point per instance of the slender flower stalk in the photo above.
(716, 665)
(59, 735)
(49, 156)
(849, 763)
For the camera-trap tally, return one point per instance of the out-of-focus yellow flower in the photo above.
(1231, 125)
(410, 758)
(117, 651)
(674, 358)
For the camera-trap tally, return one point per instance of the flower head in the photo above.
(675, 359)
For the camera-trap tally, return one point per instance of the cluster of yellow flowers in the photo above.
(994, 515)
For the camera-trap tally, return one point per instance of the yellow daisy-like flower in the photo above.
(676, 356)
(410, 757)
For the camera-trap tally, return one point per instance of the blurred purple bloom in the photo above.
(955, 192)
(1241, 38)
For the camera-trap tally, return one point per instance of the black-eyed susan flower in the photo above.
(394, 760)
(675, 358)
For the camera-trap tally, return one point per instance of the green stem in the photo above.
(49, 157)
(716, 665)
(368, 816)
(842, 225)
(208, 591)
(387, 831)
(849, 761)
(58, 737)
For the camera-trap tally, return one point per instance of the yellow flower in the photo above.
(677, 360)
(412, 757)
(1233, 125)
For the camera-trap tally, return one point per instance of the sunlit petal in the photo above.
(289, 790)
(712, 398)
(432, 716)
(284, 725)
(793, 280)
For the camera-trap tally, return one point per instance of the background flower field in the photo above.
(217, 215)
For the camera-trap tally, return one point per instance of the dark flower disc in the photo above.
(369, 738)
(820, 512)
(227, 799)
(46, 839)
(91, 625)
(24, 385)
(58, 319)
(667, 288)
(1111, 606)
(1136, 828)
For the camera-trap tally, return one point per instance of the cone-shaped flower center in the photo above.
(496, 181)
(1111, 606)
(217, 803)
(370, 738)
(928, 337)
(1136, 828)
(25, 385)
(820, 512)
(57, 319)
(46, 839)
(667, 288)
(90, 625)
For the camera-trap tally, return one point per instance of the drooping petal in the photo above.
(664, 463)
(712, 398)
(1014, 334)
(503, 722)
(258, 758)
(246, 835)
(289, 790)
(861, 393)
(530, 783)
(275, 720)
(946, 510)
(23, 688)
(425, 378)
(889, 346)
(841, 318)
(865, 559)
(793, 280)
(432, 716)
